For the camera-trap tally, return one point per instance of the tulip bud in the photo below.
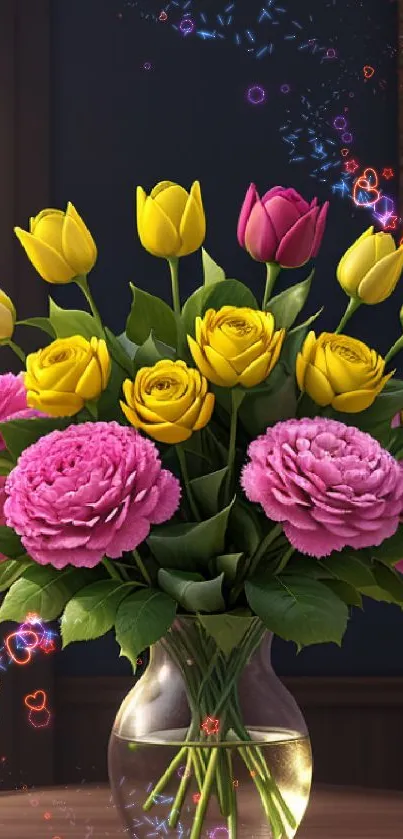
(171, 221)
(7, 316)
(371, 267)
(59, 245)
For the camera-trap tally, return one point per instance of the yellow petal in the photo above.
(342, 374)
(141, 197)
(349, 251)
(206, 412)
(382, 279)
(8, 303)
(48, 228)
(6, 322)
(257, 371)
(161, 187)
(318, 387)
(384, 244)
(55, 404)
(172, 201)
(308, 345)
(356, 265)
(221, 367)
(34, 222)
(243, 360)
(46, 261)
(162, 432)
(104, 362)
(354, 401)
(89, 385)
(300, 370)
(202, 363)
(192, 227)
(157, 233)
(79, 248)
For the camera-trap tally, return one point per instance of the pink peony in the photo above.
(331, 484)
(13, 401)
(2, 500)
(90, 490)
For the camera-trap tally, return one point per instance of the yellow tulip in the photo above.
(66, 374)
(340, 371)
(171, 221)
(8, 316)
(59, 245)
(168, 401)
(371, 267)
(236, 346)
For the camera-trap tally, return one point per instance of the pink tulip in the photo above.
(281, 227)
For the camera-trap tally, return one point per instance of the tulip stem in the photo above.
(7, 342)
(352, 307)
(83, 284)
(174, 269)
(273, 270)
(186, 481)
(397, 346)
(237, 396)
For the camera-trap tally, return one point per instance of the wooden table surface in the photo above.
(87, 812)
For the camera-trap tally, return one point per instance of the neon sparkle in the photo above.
(256, 94)
(210, 725)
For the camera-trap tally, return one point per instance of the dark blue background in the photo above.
(116, 125)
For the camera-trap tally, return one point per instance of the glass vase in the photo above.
(209, 743)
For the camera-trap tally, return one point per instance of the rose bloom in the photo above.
(13, 401)
(89, 490)
(331, 484)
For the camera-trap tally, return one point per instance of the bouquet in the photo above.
(217, 459)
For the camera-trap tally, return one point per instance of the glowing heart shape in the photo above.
(368, 71)
(21, 656)
(36, 701)
(364, 184)
(39, 719)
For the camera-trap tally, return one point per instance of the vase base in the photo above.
(137, 765)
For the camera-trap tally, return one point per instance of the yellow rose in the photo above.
(236, 346)
(168, 401)
(66, 374)
(171, 221)
(8, 316)
(340, 371)
(371, 267)
(59, 245)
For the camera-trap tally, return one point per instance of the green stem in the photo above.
(264, 545)
(185, 475)
(124, 573)
(284, 559)
(174, 269)
(7, 342)
(232, 819)
(204, 795)
(141, 567)
(352, 307)
(236, 399)
(397, 346)
(111, 569)
(273, 270)
(83, 285)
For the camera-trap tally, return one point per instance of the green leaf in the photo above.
(6, 465)
(42, 590)
(376, 419)
(152, 351)
(20, 433)
(298, 609)
(287, 305)
(348, 594)
(227, 564)
(12, 569)
(264, 408)
(391, 550)
(129, 347)
(207, 491)
(67, 322)
(10, 543)
(108, 403)
(186, 545)
(244, 527)
(39, 323)
(192, 591)
(294, 340)
(348, 568)
(390, 581)
(395, 446)
(227, 630)
(212, 272)
(150, 313)
(118, 352)
(142, 619)
(92, 611)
